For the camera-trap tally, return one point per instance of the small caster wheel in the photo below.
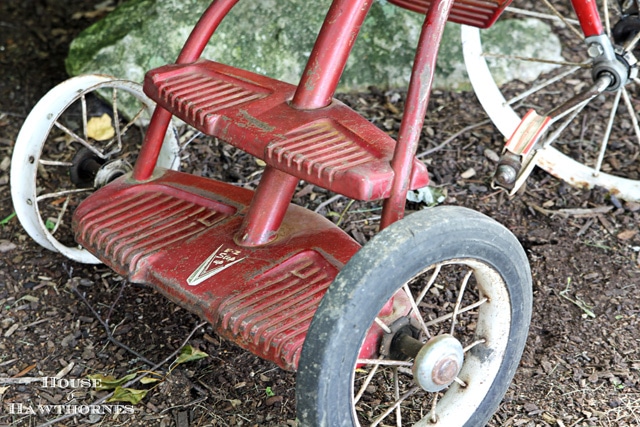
(425, 325)
(75, 140)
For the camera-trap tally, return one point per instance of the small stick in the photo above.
(108, 330)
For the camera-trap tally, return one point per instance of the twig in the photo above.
(328, 202)
(452, 137)
(23, 380)
(577, 213)
(108, 330)
(133, 381)
(124, 284)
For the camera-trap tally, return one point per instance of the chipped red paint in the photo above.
(587, 11)
(251, 263)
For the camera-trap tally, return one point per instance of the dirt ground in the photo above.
(582, 360)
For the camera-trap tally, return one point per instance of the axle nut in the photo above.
(445, 370)
(438, 363)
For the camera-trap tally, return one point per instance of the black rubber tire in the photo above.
(372, 276)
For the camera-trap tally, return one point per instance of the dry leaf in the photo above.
(627, 234)
(100, 129)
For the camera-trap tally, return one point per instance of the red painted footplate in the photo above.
(176, 233)
(333, 147)
(477, 13)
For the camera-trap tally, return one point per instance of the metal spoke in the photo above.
(116, 119)
(432, 414)
(460, 382)
(124, 130)
(544, 84)
(59, 219)
(62, 193)
(632, 113)
(384, 327)
(367, 380)
(414, 306)
(463, 310)
(539, 15)
(632, 43)
(537, 60)
(430, 283)
(45, 162)
(607, 134)
(456, 308)
(473, 344)
(83, 101)
(82, 141)
(607, 19)
(396, 388)
(395, 404)
(563, 19)
(383, 362)
(558, 131)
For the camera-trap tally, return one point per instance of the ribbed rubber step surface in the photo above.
(332, 147)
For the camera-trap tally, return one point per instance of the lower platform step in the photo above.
(176, 233)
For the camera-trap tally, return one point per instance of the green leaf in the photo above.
(6, 220)
(189, 354)
(108, 382)
(269, 392)
(50, 225)
(130, 395)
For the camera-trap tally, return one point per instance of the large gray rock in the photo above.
(273, 37)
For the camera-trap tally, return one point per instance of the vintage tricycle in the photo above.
(426, 323)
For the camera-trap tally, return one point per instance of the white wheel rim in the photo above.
(493, 325)
(506, 120)
(29, 145)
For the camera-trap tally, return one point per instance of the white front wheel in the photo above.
(76, 139)
(601, 145)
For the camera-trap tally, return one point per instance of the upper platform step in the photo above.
(333, 147)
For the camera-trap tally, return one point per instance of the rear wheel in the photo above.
(600, 144)
(76, 139)
(424, 326)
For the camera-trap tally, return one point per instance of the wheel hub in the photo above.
(89, 170)
(438, 363)
(609, 62)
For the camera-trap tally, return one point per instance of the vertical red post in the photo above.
(195, 44)
(330, 52)
(267, 209)
(424, 66)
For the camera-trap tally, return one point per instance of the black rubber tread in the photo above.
(389, 260)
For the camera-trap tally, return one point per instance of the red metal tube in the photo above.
(267, 209)
(424, 66)
(204, 29)
(195, 44)
(587, 11)
(330, 53)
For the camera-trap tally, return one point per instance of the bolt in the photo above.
(595, 49)
(506, 175)
(445, 371)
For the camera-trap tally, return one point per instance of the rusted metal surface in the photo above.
(177, 234)
(330, 52)
(477, 13)
(333, 147)
(418, 93)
